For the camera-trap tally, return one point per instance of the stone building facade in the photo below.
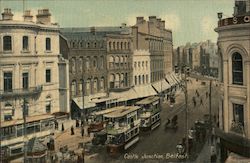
(100, 58)
(234, 110)
(29, 78)
(152, 36)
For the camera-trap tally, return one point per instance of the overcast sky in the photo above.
(190, 20)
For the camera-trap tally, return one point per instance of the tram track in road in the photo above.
(181, 107)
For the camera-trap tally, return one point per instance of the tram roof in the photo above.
(106, 111)
(122, 111)
(148, 100)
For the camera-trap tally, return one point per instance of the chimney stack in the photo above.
(43, 16)
(139, 20)
(158, 22)
(162, 24)
(7, 15)
(152, 19)
(27, 16)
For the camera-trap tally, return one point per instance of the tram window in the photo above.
(16, 151)
(136, 130)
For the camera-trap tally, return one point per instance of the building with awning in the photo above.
(172, 82)
(81, 106)
(161, 86)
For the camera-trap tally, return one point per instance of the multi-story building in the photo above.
(234, 110)
(152, 36)
(141, 67)
(201, 57)
(100, 61)
(29, 79)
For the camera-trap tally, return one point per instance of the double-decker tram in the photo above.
(150, 113)
(122, 129)
(96, 121)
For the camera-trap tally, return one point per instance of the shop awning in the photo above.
(171, 81)
(178, 79)
(144, 91)
(161, 86)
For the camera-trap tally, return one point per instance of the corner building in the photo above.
(29, 78)
(234, 111)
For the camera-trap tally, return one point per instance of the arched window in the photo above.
(117, 60)
(125, 45)
(80, 86)
(129, 45)
(135, 80)
(109, 45)
(122, 80)
(80, 64)
(88, 63)
(73, 88)
(48, 104)
(237, 69)
(121, 45)
(95, 62)
(112, 81)
(95, 44)
(117, 80)
(143, 79)
(113, 45)
(95, 85)
(88, 87)
(102, 84)
(8, 111)
(139, 79)
(7, 43)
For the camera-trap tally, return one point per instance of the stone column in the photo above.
(226, 105)
(247, 106)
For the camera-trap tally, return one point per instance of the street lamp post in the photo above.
(184, 88)
(186, 111)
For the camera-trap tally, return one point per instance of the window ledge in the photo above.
(7, 51)
(25, 51)
(47, 51)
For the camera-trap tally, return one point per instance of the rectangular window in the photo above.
(48, 108)
(25, 80)
(48, 76)
(25, 43)
(238, 113)
(7, 43)
(8, 81)
(48, 44)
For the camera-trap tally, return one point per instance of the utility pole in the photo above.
(24, 129)
(210, 115)
(186, 108)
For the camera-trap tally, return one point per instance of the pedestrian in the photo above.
(56, 125)
(82, 131)
(82, 123)
(77, 123)
(72, 130)
(88, 131)
(62, 127)
(201, 101)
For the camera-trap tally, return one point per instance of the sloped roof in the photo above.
(34, 146)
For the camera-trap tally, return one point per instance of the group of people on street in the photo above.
(198, 96)
(78, 125)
